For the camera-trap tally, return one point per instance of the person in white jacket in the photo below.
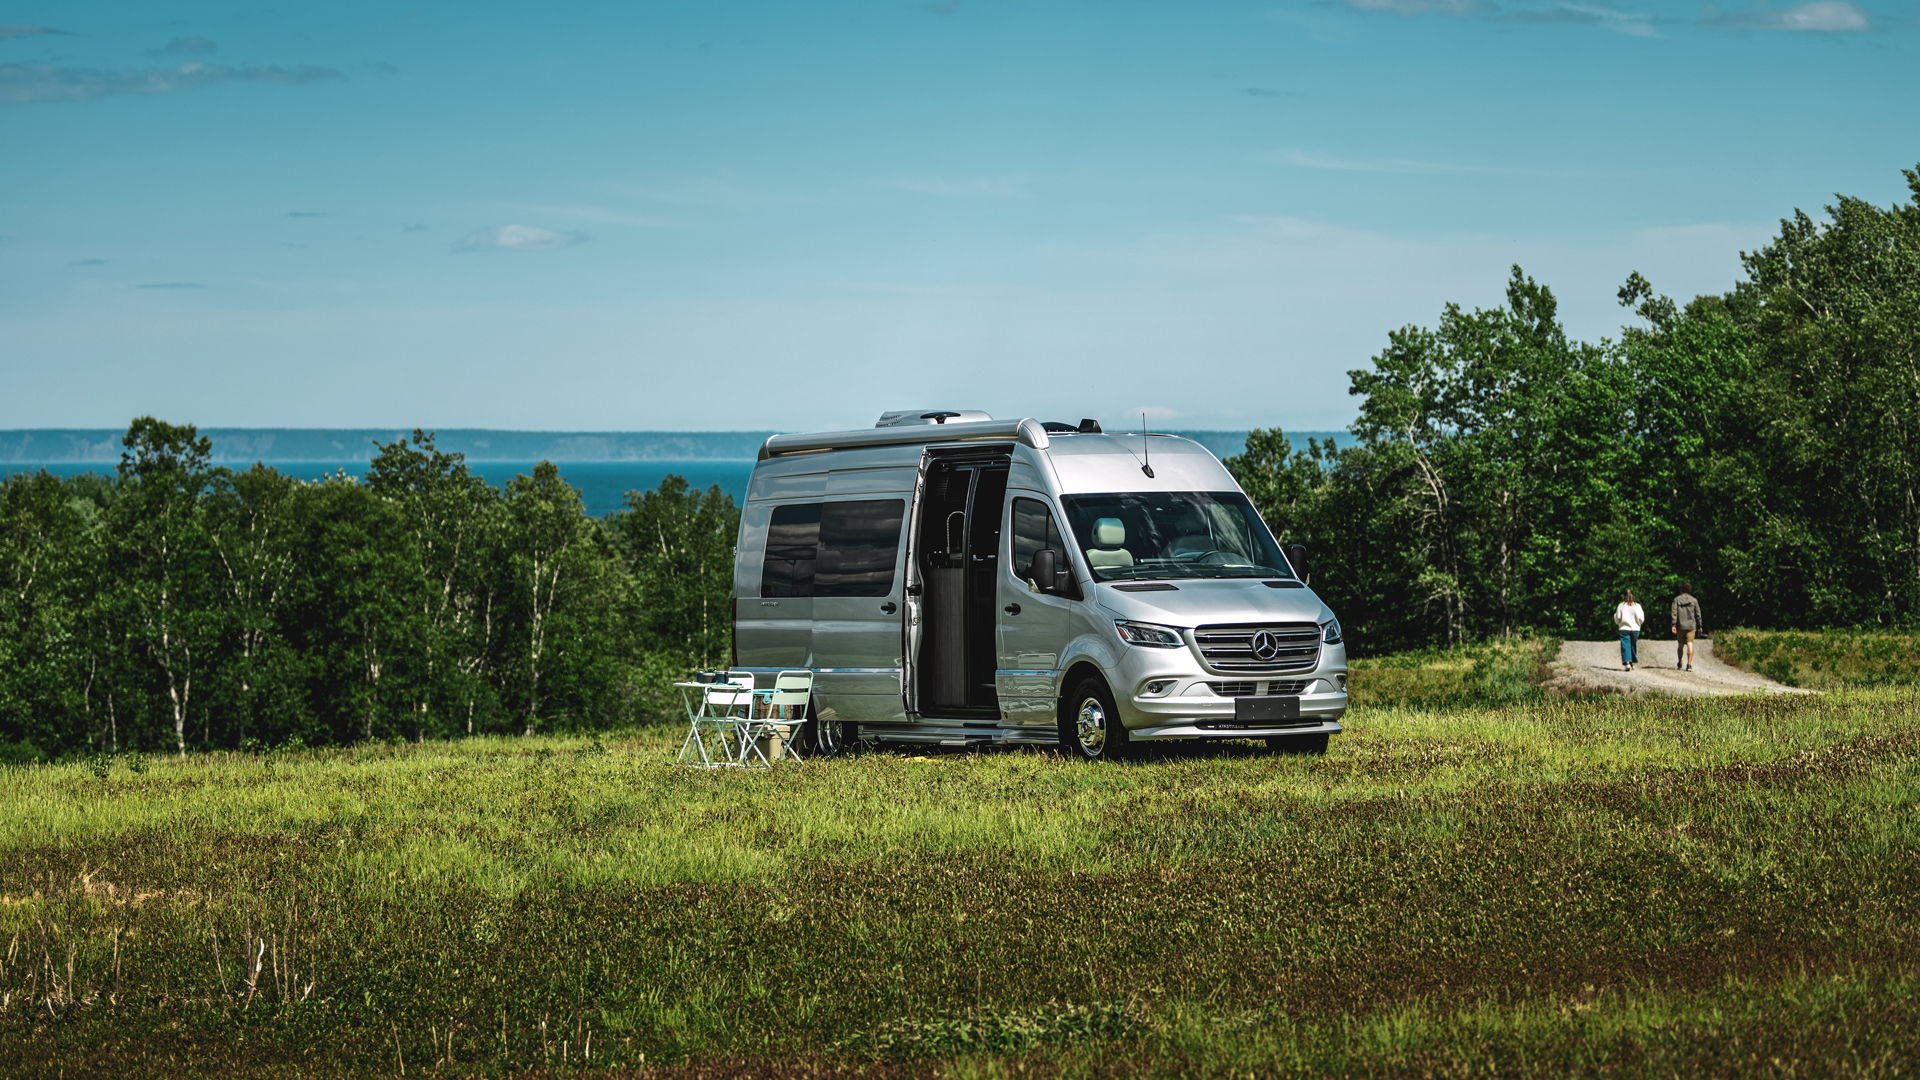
(1628, 618)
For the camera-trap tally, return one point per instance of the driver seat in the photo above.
(1107, 553)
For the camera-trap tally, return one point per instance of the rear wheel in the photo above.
(1298, 744)
(1090, 727)
(831, 738)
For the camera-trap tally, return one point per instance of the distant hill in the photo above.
(244, 446)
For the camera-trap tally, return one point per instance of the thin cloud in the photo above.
(22, 84)
(1261, 91)
(1308, 160)
(1819, 16)
(980, 187)
(20, 30)
(516, 238)
(1410, 8)
(413, 228)
(171, 285)
(598, 214)
(192, 46)
(1634, 25)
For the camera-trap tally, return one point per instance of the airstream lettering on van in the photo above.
(954, 579)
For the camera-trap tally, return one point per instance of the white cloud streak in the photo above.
(22, 84)
(516, 238)
(1410, 8)
(1624, 22)
(1818, 16)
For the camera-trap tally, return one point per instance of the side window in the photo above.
(1033, 529)
(858, 543)
(793, 545)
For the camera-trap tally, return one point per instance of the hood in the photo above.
(1215, 600)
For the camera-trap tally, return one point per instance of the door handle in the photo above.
(1012, 609)
(889, 607)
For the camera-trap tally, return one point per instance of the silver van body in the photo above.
(899, 564)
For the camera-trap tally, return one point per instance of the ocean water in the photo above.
(603, 465)
(603, 484)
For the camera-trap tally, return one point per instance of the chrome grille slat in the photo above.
(1228, 649)
(1251, 688)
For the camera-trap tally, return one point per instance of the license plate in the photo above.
(1256, 709)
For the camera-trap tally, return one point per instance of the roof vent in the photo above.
(917, 417)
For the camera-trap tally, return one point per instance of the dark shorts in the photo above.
(1684, 637)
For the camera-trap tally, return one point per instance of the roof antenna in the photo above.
(1146, 466)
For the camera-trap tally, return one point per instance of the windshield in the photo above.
(1182, 534)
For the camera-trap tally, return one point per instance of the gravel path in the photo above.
(1595, 665)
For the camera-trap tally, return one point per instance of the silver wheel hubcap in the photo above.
(1091, 726)
(830, 737)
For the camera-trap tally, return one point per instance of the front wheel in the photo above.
(1090, 727)
(1298, 744)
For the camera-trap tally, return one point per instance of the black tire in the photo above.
(1298, 744)
(1090, 727)
(831, 738)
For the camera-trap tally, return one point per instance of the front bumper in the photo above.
(1192, 706)
(1194, 730)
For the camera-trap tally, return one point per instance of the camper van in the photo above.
(959, 580)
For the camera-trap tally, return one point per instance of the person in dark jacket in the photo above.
(1687, 622)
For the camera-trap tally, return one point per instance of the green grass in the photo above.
(1496, 673)
(1824, 659)
(1714, 886)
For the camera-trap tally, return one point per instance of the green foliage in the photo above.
(679, 544)
(1493, 674)
(1660, 887)
(1827, 659)
(1764, 445)
(180, 605)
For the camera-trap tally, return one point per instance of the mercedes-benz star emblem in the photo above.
(1265, 645)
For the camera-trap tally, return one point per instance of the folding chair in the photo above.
(786, 713)
(742, 712)
(726, 709)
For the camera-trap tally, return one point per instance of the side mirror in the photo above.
(1046, 570)
(1297, 555)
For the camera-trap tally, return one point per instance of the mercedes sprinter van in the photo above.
(953, 579)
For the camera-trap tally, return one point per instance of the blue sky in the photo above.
(753, 215)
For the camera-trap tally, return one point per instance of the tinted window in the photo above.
(858, 543)
(1033, 530)
(793, 543)
(1176, 534)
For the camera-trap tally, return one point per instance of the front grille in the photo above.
(1253, 689)
(1230, 648)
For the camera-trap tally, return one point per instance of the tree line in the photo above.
(177, 605)
(1763, 444)
(1760, 443)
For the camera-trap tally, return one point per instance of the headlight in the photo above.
(1149, 635)
(1330, 631)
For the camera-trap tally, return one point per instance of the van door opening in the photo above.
(959, 556)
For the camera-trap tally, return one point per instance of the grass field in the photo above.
(1824, 659)
(1689, 887)
(1492, 674)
